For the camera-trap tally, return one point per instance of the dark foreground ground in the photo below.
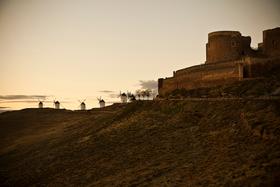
(156, 143)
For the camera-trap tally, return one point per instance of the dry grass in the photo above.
(153, 143)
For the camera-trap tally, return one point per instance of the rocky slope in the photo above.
(152, 143)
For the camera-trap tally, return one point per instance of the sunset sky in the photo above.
(77, 49)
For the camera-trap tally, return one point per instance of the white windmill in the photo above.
(123, 97)
(82, 104)
(40, 105)
(56, 104)
(101, 102)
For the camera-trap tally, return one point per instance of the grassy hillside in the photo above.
(153, 143)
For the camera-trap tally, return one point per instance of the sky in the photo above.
(73, 50)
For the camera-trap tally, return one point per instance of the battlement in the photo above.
(224, 33)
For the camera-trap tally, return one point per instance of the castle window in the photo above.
(233, 44)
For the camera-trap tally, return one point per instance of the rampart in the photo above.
(200, 76)
(229, 58)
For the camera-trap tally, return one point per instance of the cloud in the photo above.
(106, 91)
(23, 98)
(31, 101)
(23, 101)
(19, 97)
(148, 84)
(3, 107)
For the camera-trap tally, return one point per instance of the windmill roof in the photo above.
(102, 101)
(57, 102)
(123, 94)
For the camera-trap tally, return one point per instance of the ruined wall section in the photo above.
(225, 46)
(271, 42)
(201, 76)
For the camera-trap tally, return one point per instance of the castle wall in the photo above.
(260, 67)
(168, 85)
(201, 76)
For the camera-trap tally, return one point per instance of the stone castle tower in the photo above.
(227, 45)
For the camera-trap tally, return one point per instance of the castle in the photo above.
(229, 58)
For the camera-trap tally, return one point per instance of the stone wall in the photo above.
(200, 76)
(210, 75)
(259, 67)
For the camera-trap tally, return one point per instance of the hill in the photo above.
(148, 143)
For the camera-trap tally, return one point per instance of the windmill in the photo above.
(82, 104)
(101, 102)
(123, 97)
(131, 96)
(40, 105)
(56, 104)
